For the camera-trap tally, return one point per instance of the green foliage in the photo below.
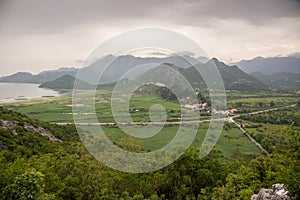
(281, 167)
(287, 116)
(33, 167)
(29, 185)
(66, 82)
(130, 143)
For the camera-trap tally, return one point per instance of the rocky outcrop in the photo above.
(9, 124)
(42, 132)
(14, 132)
(12, 124)
(276, 193)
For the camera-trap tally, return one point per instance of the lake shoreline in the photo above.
(14, 92)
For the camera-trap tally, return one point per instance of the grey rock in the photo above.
(265, 194)
(9, 124)
(276, 193)
(42, 132)
(14, 132)
(254, 197)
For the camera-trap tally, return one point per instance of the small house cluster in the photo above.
(195, 107)
(224, 112)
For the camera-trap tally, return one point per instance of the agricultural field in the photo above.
(59, 109)
(232, 142)
(234, 153)
(245, 103)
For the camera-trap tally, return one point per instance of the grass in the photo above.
(58, 109)
(231, 142)
(280, 101)
(254, 102)
(50, 112)
(263, 128)
(235, 144)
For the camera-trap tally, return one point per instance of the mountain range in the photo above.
(281, 80)
(234, 75)
(91, 73)
(271, 65)
(45, 76)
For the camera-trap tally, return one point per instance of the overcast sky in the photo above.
(36, 35)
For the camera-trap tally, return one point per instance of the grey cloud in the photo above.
(158, 53)
(57, 16)
(257, 12)
(41, 33)
(185, 53)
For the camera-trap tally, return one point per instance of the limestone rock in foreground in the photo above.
(42, 132)
(276, 193)
(12, 124)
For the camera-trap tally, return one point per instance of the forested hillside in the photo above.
(43, 161)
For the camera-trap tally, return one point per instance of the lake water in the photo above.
(20, 91)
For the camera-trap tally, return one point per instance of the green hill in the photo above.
(20, 77)
(236, 79)
(27, 137)
(39, 160)
(65, 82)
(233, 77)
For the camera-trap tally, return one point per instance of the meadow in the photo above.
(231, 142)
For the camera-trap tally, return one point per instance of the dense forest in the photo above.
(36, 165)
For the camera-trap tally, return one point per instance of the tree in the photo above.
(29, 185)
(201, 98)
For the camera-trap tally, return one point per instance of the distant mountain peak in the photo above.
(215, 59)
(219, 63)
(233, 77)
(258, 58)
(19, 77)
(24, 73)
(62, 69)
(203, 59)
(270, 65)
